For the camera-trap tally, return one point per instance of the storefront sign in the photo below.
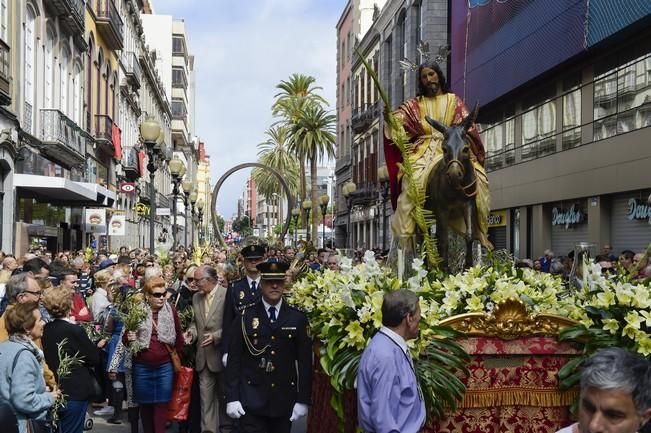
(638, 210)
(118, 224)
(141, 209)
(95, 220)
(497, 219)
(562, 217)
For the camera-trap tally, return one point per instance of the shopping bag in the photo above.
(178, 407)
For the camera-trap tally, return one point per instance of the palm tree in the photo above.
(313, 136)
(274, 153)
(296, 93)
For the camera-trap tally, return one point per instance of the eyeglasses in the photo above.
(189, 279)
(33, 292)
(158, 294)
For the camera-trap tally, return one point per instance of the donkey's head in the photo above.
(456, 149)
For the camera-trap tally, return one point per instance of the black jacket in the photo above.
(79, 385)
(238, 297)
(269, 384)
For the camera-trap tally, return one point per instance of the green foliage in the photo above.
(220, 222)
(242, 225)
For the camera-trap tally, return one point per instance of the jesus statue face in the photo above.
(430, 82)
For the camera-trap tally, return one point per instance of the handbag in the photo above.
(179, 406)
(8, 419)
(176, 359)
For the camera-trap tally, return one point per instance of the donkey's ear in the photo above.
(437, 125)
(468, 121)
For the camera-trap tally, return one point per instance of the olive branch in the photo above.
(66, 364)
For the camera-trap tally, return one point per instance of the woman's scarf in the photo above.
(164, 326)
(28, 343)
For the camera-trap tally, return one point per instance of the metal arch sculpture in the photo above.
(283, 183)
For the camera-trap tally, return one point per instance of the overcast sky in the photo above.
(242, 50)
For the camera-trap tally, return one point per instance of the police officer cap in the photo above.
(273, 270)
(253, 251)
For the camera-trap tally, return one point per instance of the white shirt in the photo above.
(257, 282)
(267, 306)
(396, 338)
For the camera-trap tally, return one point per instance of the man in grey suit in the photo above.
(208, 306)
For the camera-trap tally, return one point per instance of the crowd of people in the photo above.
(128, 317)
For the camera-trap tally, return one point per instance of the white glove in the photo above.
(234, 409)
(225, 359)
(299, 411)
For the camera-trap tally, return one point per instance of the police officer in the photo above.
(243, 293)
(269, 371)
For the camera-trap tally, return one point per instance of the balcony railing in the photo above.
(363, 116)
(63, 141)
(132, 66)
(109, 23)
(103, 128)
(5, 74)
(71, 13)
(130, 163)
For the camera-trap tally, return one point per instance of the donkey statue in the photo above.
(452, 187)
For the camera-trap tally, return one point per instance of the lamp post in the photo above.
(187, 187)
(151, 133)
(349, 189)
(193, 200)
(383, 176)
(177, 170)
(296, 212)
(200, 206)
(323, 204)
(307, 207)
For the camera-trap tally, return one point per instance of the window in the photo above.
(178, 45)
(571, 119)
(4, 20)
(48, 90)
(30, 68)
(178, 78)
(178, 109)
(77, 91)
(419, 27)
(402, 28)
(63, 81)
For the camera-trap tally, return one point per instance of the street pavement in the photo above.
(101, 426)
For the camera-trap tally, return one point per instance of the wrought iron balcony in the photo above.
(162, 201)
(103, 133)
(71, 14)
(363, 116)
(62, 141)
(5, 74)
(109, 24)
(130, 163)
(132, 69)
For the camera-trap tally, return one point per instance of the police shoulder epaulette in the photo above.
(295, 307)
(244, 307)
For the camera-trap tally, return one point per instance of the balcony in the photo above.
(62, 139)
(109, 24)
(132, 69)
(130, 163)
(364, 116)
(162, 201)
(5, 74)
(71, 14)
(103, 133)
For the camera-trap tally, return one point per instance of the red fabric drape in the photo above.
(116, 135)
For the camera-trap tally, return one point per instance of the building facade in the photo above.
(567, 137)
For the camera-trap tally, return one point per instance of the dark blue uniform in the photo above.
(262, 373)
(238, 297)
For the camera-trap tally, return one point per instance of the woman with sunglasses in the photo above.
(153, 372)
(183, 297)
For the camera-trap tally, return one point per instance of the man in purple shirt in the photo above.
(389, 399)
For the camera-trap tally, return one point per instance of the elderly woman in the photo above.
(21, 376)
(158, 335)
(79, 385)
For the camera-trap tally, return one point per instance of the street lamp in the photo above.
(296, 212)
(193, 199)
(187, 187)
(177, 170)
(323, 203)
(307, 207)
(349, 189)
(200, 206)
(383, 176)
(150, 131)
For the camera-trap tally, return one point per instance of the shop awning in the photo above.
(60, 191)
